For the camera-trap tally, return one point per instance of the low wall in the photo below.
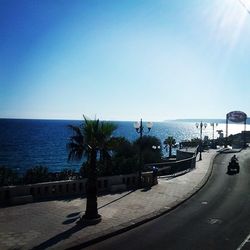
(10, 194)
(168, 168)
(182, 155)
(186, 153)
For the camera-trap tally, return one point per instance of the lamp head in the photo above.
(136, 125)
(149, 125)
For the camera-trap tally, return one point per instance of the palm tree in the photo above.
(89, 139)
(169, 143)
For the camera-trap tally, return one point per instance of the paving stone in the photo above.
(50, 224)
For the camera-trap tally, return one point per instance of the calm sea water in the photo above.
(27, 143)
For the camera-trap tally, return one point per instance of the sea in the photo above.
(25, 143)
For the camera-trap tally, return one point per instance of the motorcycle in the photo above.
(233, 166)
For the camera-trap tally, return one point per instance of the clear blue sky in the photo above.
(124, 60)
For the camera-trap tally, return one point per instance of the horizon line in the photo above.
(75, 119)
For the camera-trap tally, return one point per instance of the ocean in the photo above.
(26, 143)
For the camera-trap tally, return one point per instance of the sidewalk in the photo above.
(53, 224)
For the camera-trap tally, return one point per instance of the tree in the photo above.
(147, 144)
(194, 142)
(89, 139)
(7, 176)
(169, 143)
(124, 157)
(36, 174)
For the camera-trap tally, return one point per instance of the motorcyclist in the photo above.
(234, 165)
(234, 159)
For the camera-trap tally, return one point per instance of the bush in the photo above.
(36, 174)
(190, 143)
(67, 174)
(7, 176)
(124, 157)
(149, 155)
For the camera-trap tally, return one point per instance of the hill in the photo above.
(203, 120)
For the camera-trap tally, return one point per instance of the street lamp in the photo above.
(201, 126)
(140, 129)
(213, 125)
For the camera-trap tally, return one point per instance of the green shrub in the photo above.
(7, 176)
(36, 174)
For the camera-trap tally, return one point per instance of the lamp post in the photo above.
(213, 125)
(201, 126)
(140, 129)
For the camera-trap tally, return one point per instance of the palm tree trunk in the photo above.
(91, 206)
(170, 151)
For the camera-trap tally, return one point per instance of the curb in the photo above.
(146, 218)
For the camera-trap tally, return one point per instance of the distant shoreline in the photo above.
(219, 121)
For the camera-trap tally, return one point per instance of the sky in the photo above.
(124, 60)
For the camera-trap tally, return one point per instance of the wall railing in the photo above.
(22, 193)
(187, 162)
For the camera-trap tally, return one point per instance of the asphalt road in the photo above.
(217, 217)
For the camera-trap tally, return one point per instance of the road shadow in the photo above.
(177, 174)
(80, 225)
(73, 217)
(70, 197)
(146, 189)
(232, 172)
(231, 151)
(116, 199)
(65, 198)
(73, 214)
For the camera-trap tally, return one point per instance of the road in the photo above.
(217, 217)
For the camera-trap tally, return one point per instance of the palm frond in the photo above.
(90, 135)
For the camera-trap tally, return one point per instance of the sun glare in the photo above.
(245, 4)
(227, 19)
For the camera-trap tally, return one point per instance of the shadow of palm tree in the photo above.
(72, 218)
(146, 189)
(63, 236)
(116, 199)
(69, 221)
(73, 215)
(77, 227)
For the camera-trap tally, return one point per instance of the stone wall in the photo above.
(26, 193)
(186, 153)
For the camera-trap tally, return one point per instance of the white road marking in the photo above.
(244, 242)
(214, 221)
(204, 202)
